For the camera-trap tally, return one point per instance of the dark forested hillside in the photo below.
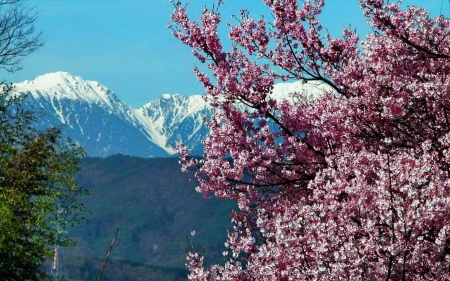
(155, 207)
(87, 268)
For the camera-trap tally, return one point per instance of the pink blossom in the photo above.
(353, 185)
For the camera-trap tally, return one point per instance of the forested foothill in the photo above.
(155, 207)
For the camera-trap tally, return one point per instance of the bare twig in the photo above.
(107, 256)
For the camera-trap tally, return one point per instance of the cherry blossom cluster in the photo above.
(351, 185)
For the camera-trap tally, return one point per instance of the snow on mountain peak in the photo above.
(50, 80)
(62, 85)
(291, 91)
(97, 119)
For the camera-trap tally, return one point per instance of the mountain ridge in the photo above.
(94, 117)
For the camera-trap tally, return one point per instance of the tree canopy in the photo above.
(38, 193)
(352, 184)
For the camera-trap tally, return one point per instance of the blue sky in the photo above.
(126, 45)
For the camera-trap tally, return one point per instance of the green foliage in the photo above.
(38, 193)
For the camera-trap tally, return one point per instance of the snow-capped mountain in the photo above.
(174, 119)
(92, 115)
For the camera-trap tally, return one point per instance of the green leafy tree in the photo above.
(38, 193)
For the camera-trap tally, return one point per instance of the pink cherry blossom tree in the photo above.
(352, 185)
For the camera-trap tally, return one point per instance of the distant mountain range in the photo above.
(93, 116)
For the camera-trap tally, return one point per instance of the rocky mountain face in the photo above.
(92, 115)
(175, 119)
